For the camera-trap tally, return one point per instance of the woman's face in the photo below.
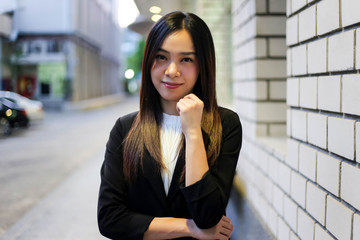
(175, 68)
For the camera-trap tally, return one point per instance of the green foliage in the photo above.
(135, 61)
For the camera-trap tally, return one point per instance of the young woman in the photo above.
(169, 168)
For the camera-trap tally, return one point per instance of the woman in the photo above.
(169, 168)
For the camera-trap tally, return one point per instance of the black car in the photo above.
(11, 115)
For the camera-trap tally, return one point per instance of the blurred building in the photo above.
(64, 49)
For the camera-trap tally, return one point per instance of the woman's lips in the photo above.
(172, 85)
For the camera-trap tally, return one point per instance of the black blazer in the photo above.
(125, 211)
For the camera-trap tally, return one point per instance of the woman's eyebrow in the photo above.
(181, 53)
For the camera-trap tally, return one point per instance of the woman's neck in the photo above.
(170, 108)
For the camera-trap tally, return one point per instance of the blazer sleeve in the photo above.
(207, 198)
(115, 220)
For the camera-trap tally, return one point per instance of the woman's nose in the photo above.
(172, 70)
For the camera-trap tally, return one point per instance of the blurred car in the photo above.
(34, 109)
(11, 115)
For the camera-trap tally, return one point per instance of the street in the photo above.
(36, 160)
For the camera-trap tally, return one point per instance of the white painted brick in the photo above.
(298, 188)
(288, 62)
(283, 232)
(272, 221)
(273, 169)
(277, 47)
(307, 161)
(271, 111)
(357, 133)
(341, 137)
(338, 219)
(277, 130)
(299, 60)
(292, 91)
(350, 12)
(357, 53)
(341, 51)
(271, 68)
(356, 227)
(329, 90)
(327, 16)
(328, 173)
(350, 191)
(288, 122)
(254, 90)
(299, 125)
(298, 4)
(293, 236)
(277, 200)
(307, 24)
(277, 6)
(315, 202)
(321, 234)
(277, 90)
(288, 7)
(305, 225)
(270, 25)
(351, 94)
(292, 30)
(290, 212)
(260, 6)
(317, 130)
(292, 153)
(317, 59)
(284, 177)
(308, 92)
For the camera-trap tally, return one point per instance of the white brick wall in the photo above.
(341, 137)
(328, 173)
(299, 65)
(307, 24)
(320, 234)
(357, 142)
(357, 53)
(283, 232)
(315, 202)
(317, 56)
(341, 51)
(299, 125)
(307, 162)
(292, 30)
(356, 227)
(290, 212)
(306, 225)
(292, 91)
(327, 16)
(351, 94)
(349, 12)
(298, 188)
(292, 156)
(350, 191)
(329, 93)
(308, 92)
(317, 130)
(338, 219)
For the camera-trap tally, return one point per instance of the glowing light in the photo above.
(155, 9)
(155, 17)
(129, 74)
(8, 112)
(127, 12)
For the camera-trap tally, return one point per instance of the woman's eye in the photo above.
(160, 57)
(187, 60)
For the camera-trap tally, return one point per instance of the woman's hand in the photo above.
(221, 231)
(190, 109)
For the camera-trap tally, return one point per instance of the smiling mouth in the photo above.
(171, 85)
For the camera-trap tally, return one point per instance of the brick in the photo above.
(341, 137)
(292, 153)
(288, 122)
(321, 234)
(253, 90)
(298, 4)
(328, 18)
(271, 68)
(292, 91)
(356, 227)
(277, 200)
(299, 125)
(305, 225)
(277, 130)
(271, 25)
(349, 12)
(329, 93)
(299, 60)
(350, 191)
(277, 90)
(272, 221)
(283, 232)
(298, 188)
(284, 177)
(338, 219)
(260, 6)
(271, 111)
(307, 161)
(308, 92)
(288, 7)
(341, 51)
(315, 202)
(277, 47)
(290, 212)
(307, 24)
(351, 94)
(317, 130)
(292, 30)
(273, 169)
(293, 236)
(357, 50)
(357, 134)
(288, 63)
(317, 59)
(328, 173)
(277, 6)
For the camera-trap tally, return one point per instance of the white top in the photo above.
(170, 138)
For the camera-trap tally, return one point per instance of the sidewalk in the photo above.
(68, 212)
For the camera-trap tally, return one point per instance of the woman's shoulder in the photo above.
(125, 122)
(228, 115)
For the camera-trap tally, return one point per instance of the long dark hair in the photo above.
(144, 133)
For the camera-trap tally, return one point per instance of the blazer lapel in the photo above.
(175, 181)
